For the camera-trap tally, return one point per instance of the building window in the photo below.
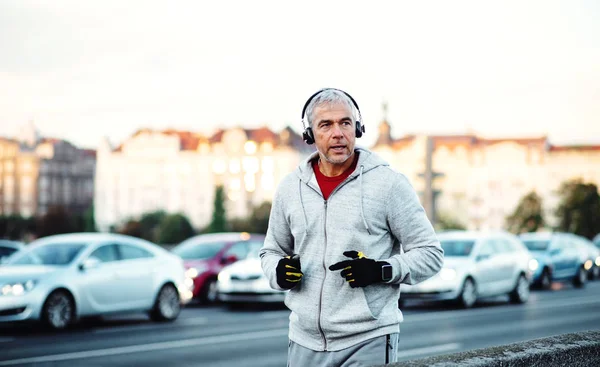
(219, 166)
(234, 166)
(250, 164)
(249, 182)
(250, 147)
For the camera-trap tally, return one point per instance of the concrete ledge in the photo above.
(573, 350)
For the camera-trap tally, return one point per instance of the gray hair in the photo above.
(329, 97)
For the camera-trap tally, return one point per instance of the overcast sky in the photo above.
(86, 69)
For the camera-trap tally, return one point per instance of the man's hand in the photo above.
(288, 272)
(360, 271)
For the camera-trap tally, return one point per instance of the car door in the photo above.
(137, 272)
(487, 267)
(99, 282)
(510, 260)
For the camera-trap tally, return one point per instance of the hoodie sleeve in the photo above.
(279, 241)
(423, 256)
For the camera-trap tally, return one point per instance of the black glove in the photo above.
(288, 272)
(360, 271)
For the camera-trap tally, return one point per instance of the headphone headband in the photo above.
(322, 90)
(308, 135)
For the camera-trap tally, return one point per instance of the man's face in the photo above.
(333, 128)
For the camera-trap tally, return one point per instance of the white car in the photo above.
(244, 281)
(477, 265)
(59, 279)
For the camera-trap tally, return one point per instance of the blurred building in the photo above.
(37, 173)
(478, 181)
(178, 171)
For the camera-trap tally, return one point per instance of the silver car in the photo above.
(59, 279)
(477, 265)
(244, 281)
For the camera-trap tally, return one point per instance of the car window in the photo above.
(197, 251)
(106, 253)
(239, 250)
(457, 247)
(536, 245)
(6, 251)
(130, 252)
(253, 249)
(502, 246)
(488, 248)
(50, 254)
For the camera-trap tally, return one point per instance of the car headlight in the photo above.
(598, 261)
(194, 272)
(17, 288)
(588, 265)
(223, 276)
(533, 264)
(447, 274)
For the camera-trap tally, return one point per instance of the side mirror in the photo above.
(554, 252)
(229, 259)
(90, 263)
(482, 257)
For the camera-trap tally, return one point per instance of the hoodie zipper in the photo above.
(348, 179)
(323, 283)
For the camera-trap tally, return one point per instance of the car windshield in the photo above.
(196, 251)
(457, 247)
(537, 245)
(59, 254)
(253, 249)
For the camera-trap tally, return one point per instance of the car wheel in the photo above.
(210, 294)
(167, 305)
(580, 278)
(545, 280)
(468, 294)
(521, 292)
(58, 311)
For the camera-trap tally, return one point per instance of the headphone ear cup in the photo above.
(308, 136)
(360, 129)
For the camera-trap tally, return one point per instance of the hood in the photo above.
(245, 268)
(201, 263)
(457, 263)
(367, 161)
(23, 272)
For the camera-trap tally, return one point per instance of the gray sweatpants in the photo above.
(371, 352)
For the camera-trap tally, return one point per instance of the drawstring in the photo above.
(362, 211)
(303, 210)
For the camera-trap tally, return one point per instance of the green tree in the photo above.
(174, 228)
(259, 219)
(56, 221)
(446, 222)
(149, 223)
(579, 209)
(89, 222)
(219, 218)
(527, 216)
(16, 227)
(131, 228)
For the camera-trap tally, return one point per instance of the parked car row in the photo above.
(60, 279)
(478, 265)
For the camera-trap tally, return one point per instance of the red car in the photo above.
(205, 255)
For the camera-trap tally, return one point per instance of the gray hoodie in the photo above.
(376, 211)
